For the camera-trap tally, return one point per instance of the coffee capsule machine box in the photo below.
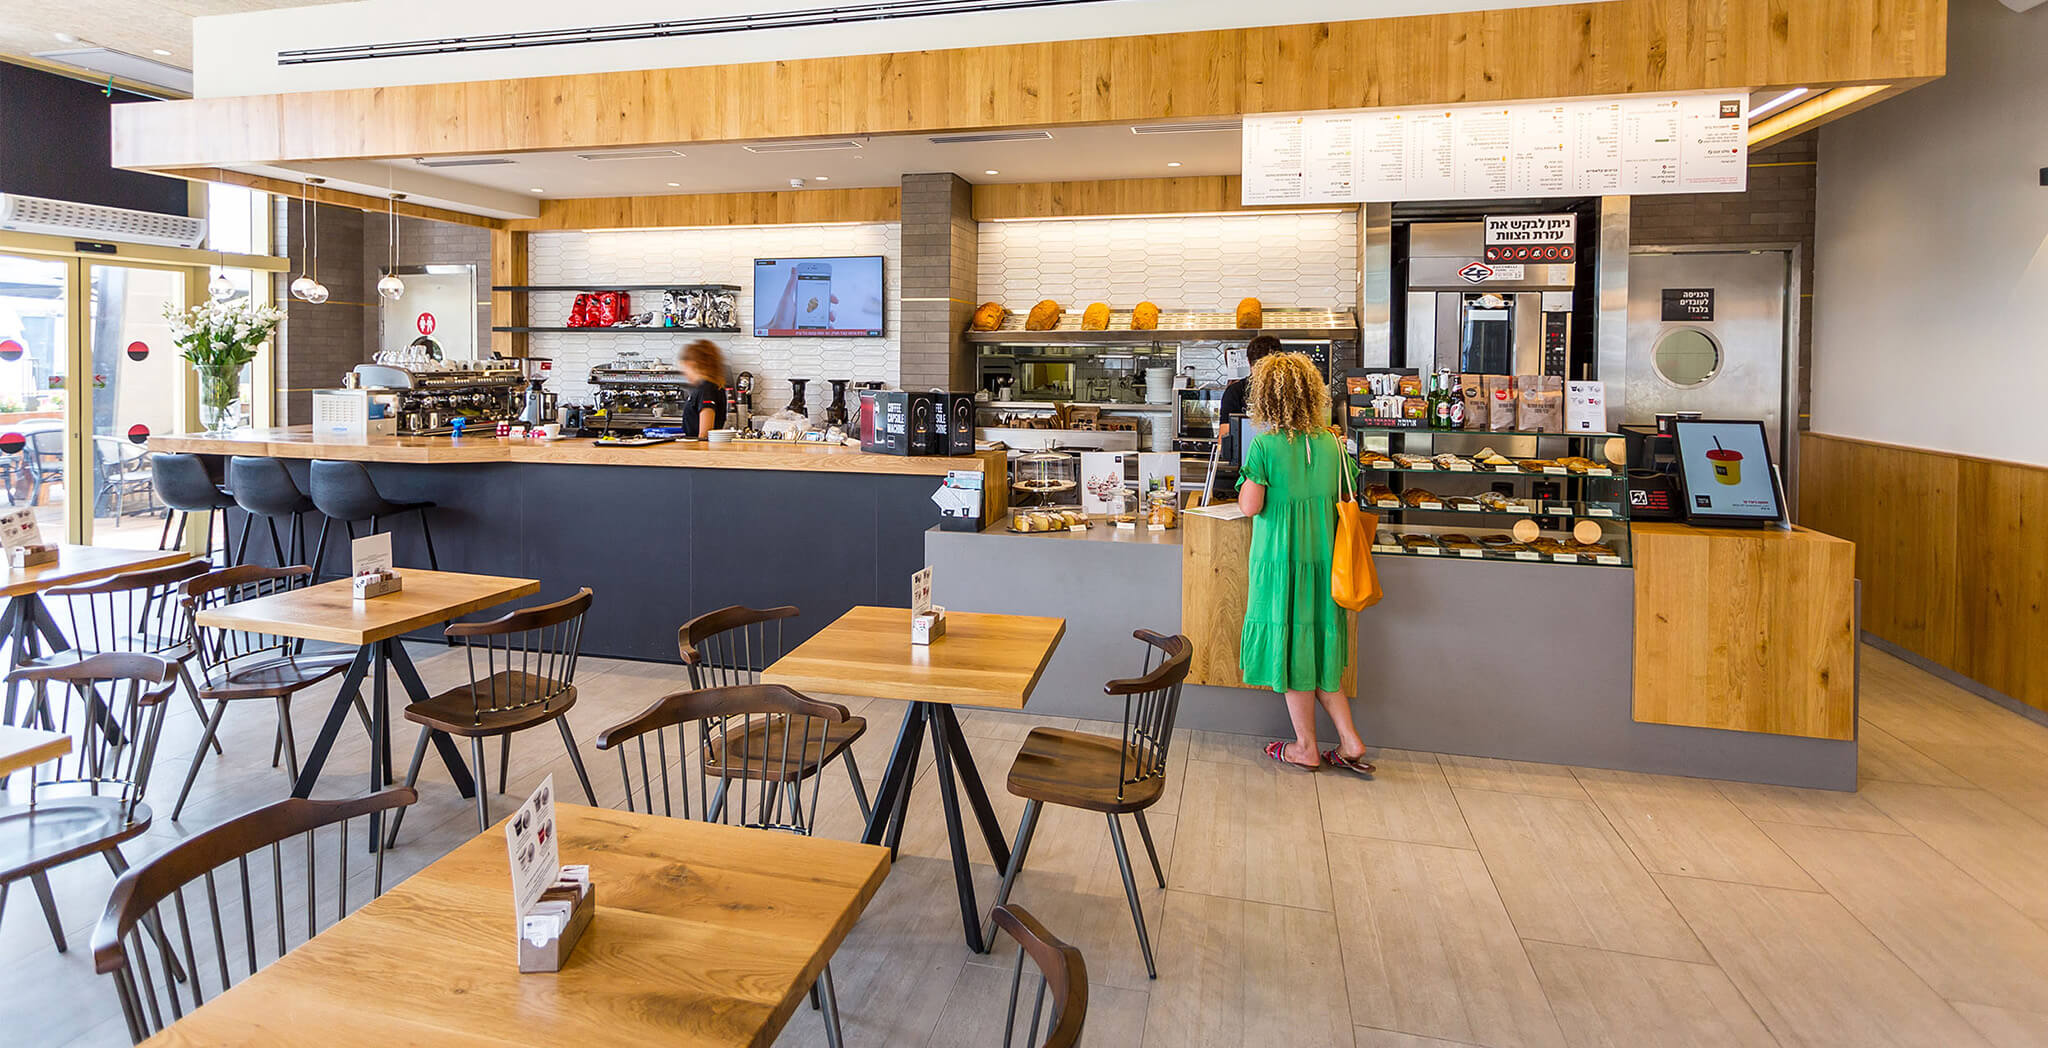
(955, 418)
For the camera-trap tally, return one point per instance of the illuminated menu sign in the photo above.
(1634, 145)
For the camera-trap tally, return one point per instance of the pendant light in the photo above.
(390, 287)
(302, 288)
(220, 288)
(318, 292)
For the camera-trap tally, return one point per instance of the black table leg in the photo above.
(977, 792)
(899, 815)
(10, 630)
(330, 729)
(380, 692)
(896, 776)
(956, 834)
(416, 689)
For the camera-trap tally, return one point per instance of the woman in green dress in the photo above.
(1295, 637)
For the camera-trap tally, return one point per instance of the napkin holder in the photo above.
(554, 946)
(29, 556)
(929, 626)
(375, 584)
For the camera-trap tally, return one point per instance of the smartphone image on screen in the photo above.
(813, 295)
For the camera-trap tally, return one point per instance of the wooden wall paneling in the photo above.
(1901, 508)
(1745, 630)
(508, 308)
(880, 204)
(1538, 52)
(2001, 628)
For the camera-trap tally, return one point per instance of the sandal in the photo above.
(1358, 764)
(1278, 751)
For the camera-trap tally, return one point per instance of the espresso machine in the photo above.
(427, 399)
(635, 394)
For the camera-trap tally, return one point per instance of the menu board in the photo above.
(1634, 145)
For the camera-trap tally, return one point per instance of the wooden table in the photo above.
(26, 747)
(705, 934)
(27, 624)
(330, 612)
(981, 660)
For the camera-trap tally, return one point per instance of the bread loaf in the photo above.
(1095, 317)
(1145, 317)
(1044, 316)
(989, 317)
(1250, 313)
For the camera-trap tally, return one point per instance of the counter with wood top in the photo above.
(660, 533)
(1718, 653)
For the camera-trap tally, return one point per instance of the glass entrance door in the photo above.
(136, 381)
(35, 357)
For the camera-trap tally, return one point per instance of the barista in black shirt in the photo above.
(704, 366)
(1234, 396)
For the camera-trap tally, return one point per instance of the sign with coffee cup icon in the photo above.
(1726, 466)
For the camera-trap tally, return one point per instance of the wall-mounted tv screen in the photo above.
(818, 297)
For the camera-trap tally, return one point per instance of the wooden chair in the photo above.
(237, 665)
(527, 679)
(729, 647)
(133, 612)
(1114, 776)
(1061, 971)
(90, 801)
(796, 733)
(198, 887)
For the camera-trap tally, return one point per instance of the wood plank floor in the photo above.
(1453, 901)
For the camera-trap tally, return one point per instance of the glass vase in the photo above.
(220, 396)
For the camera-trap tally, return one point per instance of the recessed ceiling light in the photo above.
(991, 171)
(65, 38)
(675, 184)
(1776, 102)
(1173, 163)
(823, 178)
(536, 189)
(159, 51)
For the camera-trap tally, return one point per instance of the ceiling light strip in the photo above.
(847, 14)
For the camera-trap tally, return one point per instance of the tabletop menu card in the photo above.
(1633, 145)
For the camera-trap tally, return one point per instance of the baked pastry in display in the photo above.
(1379, 494)
(1418, 542)
(1463, 503)
(1044, 316)
(1250, 313)
(1385, 538)
(1375, 460)
(1489, 457)
(1456, 542)
(1536, 465)
(1447, 461)
(1577, 464)
(1551, 546)
(988, 317)
(1414, 461)
(1494, 501)
(1145, 317)
(1418, 496)
(1095, 317)
(1593, 549)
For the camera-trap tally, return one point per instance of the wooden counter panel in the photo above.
(1745, 630)
(1213, 577)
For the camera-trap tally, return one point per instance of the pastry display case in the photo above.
(1556, 498)
(1044, 479)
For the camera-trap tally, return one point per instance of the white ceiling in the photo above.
(160, 30)
(1084, 153)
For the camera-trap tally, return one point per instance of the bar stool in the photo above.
(263, 488)
(343, 491)
(184, 485)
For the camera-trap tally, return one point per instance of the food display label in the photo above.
(1386, 549)
(1469, 508)
(1428, 551)
(1077, 527)
(1461, 467)
(1429, 505)
(1527, 555)
(1556, 471)
(1599, 471)
(1388, 504)
(1155, 527)
(1471, 553)
(1565, 558)
(1695, 142)
(1603, 559)
(1600, 511)
(1126, 525)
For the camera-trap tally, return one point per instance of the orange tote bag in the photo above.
(1354, 583)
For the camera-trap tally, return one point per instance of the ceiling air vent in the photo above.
(802, 147)
(631, 154)
(992, 136)
(1190, 128)
(464, 161)
(62, 218)
(812, 18)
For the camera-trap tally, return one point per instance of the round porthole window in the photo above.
(1686, 357)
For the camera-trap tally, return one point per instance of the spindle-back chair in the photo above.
(1115, 776)
(136, 611)
(244, 664)
(730, 647)
(522, 674)
(1062, 974)
(89, 801)
(218, 911)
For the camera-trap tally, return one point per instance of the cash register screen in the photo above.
(1244, 431)
(1726, 466)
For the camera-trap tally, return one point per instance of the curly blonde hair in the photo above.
(1288, 393)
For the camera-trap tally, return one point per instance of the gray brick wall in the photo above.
(939, 279)
(1778, 208)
